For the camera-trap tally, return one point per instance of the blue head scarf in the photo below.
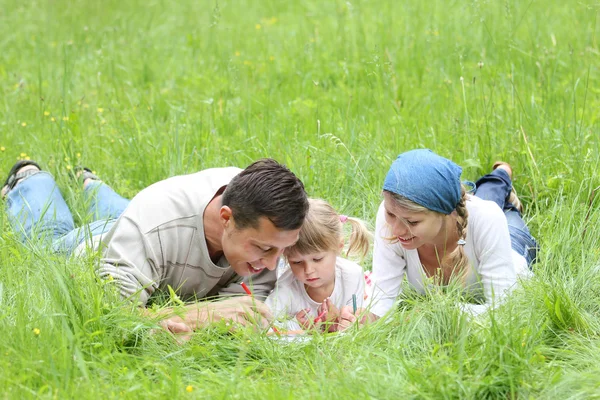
(426, 179)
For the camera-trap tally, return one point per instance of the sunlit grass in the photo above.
(139, 91)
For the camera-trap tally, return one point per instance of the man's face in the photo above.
(250, 250)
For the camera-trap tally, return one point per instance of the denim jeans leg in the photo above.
(104, 203)
(496, 187)
(69, 242)
(520, 238)
(37, 210)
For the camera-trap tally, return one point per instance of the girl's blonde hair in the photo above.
(457, 260)
(323, 230)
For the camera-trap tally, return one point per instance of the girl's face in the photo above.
(314, 270)
(414, 229)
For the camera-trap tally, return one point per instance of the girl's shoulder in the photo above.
(345, 266)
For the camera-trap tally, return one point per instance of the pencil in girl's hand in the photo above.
(353, 304)
(320, 316)
(249, 293)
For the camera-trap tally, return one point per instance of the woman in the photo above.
(431, 231)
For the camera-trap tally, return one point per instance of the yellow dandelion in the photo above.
(53, 119)
(46, 113)
(68, 167)
(248, 341)
(2, 148)
(103, 122)
(246, 62)
(110, 278)
(237, 53)
(65, 118)
(100, 110)
(23, 154)
(23, 123)
(78, 155)
(86, 106)
(27, 158)
(272, 58)
(67, 159)
(257, 26)
(189, 388)
(36, 331)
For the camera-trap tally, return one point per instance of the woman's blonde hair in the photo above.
(323, 230)
(457, 260)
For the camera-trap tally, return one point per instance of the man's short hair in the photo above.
(266, 189)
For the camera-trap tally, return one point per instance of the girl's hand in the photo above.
(304, 319)
(346, 319)
(332, 316)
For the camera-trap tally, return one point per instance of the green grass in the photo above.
(140, 91)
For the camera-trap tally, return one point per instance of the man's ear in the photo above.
(225, 216)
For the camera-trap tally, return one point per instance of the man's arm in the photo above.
(243, 310)
(128, 259)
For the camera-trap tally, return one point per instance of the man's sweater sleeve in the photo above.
(128, 259)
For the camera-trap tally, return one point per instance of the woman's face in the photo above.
(413, 229)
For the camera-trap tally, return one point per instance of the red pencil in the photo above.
(320, 316)
(246, 288)
(249, 293)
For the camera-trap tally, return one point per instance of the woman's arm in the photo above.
(493, 250)
(389, 267)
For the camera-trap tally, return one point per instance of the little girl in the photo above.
(318, 281)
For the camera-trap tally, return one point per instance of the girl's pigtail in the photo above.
(360, 238)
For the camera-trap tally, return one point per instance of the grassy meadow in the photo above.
(143, 90)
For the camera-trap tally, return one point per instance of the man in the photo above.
(197, 235)
(200, 234)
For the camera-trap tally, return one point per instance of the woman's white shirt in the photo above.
(494, 270)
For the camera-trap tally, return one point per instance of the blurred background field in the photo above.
(140, 91)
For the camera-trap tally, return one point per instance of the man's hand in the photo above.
(243, 310)
(177, 328)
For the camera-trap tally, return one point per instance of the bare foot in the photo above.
(503, 165)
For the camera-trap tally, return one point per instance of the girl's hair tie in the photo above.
(343, 218)
(461, 242)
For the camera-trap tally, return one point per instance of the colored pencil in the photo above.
(319, 316)
(249, 293)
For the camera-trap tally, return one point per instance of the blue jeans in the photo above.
(496, 186)
(37, 211)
